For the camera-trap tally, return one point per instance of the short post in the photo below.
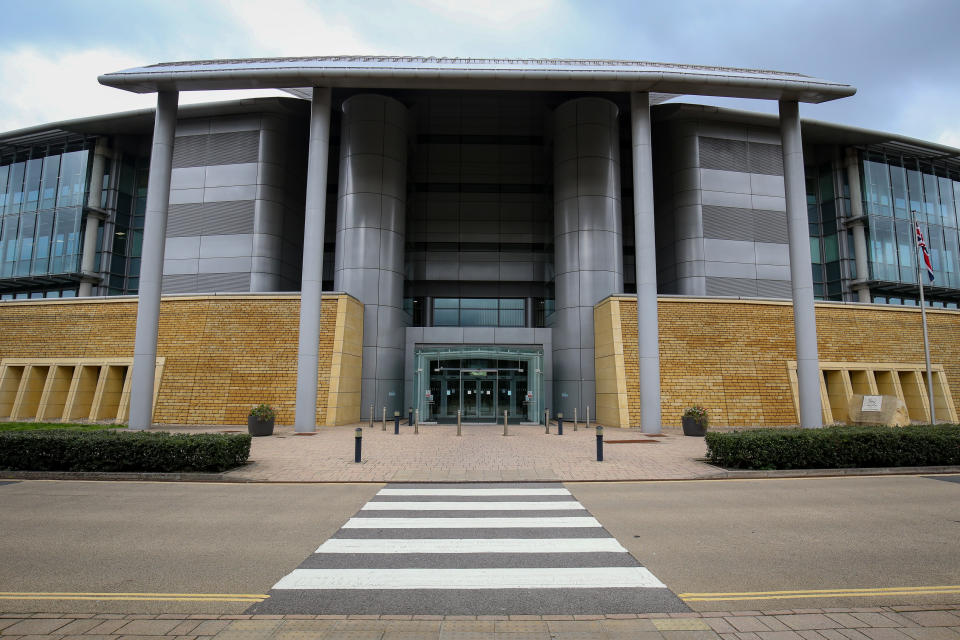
(416, 422)
(371, 415)
(575, 419)
(409, 415)
(599, 443)
(546, 420)
(560, 423)
(587, 425)
(458, 423)
(504, 423)
(396, 422)
(357, 444)
(384, 419)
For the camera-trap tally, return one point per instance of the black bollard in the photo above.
(560, 424)
(410, 416)
(599, 443)
(357, 444)
(396, 422)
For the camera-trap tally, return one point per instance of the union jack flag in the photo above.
(926, 256)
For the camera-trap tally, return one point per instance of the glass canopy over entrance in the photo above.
(480, 382)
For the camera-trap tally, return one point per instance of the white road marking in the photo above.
(471, 545)
(469, 523)
(551, 578)
(473, 492)
(570, 505)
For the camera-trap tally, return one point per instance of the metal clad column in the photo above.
(151, 262)
(371, 221)
(801, 276)
(312, 272)
(94, 215)
(648, 331)
(587, 239)
(858, 227)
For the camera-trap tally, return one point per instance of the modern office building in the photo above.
(490, 237)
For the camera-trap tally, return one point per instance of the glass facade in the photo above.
(481, 382)
(893, 186)
(478, 312)
(127, 240)
(42, 193)
(830, 242)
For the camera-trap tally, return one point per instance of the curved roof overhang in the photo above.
(390, 72)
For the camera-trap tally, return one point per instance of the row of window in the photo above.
(913, 302)
(31, 295)
(48, 178)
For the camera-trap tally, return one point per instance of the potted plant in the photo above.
(260, 420)
(694, 421)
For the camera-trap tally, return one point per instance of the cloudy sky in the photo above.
(902, 55)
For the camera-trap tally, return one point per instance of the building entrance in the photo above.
(481, 383)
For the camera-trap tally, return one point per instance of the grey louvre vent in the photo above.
(219, 148)
(731, 287)
(770, 226)
(773, 289)
(766, 159)
(727, 223)
(215, 282)
(723, 154)
(179, 283)
(212, 218)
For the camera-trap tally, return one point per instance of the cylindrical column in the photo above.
(801, 277)
(370, 235)
(588, 256)
(858, 227)
(648, 331)
(151, 262)
(312, 271)
(88, 259)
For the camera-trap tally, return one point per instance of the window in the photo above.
(478, 312)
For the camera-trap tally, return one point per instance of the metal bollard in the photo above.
(599, 443)
(357, 444)
(396, 422)
(546, 420)
(504, 423)
(384, 419)
(575, 419)
(371, 415)
(458, 423)
(416, 422)
(587, 425)
(410, 416)
(560, 423)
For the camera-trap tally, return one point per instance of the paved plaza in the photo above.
(481, 454)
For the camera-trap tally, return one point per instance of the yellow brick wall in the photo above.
(224, 354)
(730, 355)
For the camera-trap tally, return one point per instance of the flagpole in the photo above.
(923, 316)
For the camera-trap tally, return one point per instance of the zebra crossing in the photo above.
(470, 549)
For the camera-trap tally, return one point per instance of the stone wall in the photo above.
(223, 353)
(733, 356)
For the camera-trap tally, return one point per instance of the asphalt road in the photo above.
(728, 537)
(731, 537)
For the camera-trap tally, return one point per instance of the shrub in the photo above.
(698, 413)
(836, 447)
(263, 412)
(121, 451)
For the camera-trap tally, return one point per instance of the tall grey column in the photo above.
(858, 227)
(94, 216)
(151, 262)
(312, 271)
(801, 275)
(371, 220)
(587, 239)
(648, 329)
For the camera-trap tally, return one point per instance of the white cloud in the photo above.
(950, 137)
(500, 13)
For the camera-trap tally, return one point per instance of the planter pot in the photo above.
(257, 427)
(692, 428)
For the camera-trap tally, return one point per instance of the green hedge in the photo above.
(121, 451)
(836, 447)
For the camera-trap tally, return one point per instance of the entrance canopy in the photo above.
(662, 80)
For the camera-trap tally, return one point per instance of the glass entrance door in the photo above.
(486, 401)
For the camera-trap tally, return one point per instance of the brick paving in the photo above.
(481, 454)
(939, 622)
